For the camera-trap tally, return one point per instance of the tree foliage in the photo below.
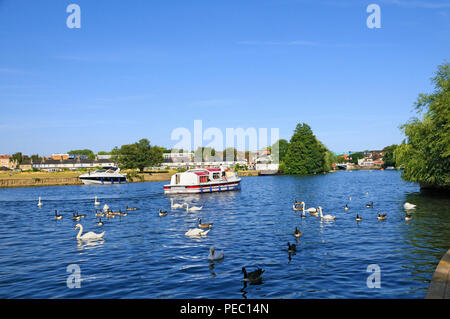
(388, 157)
(356, 156)
(306, 155)
(17, 158)
(425, 155)
(279, 150)
(138, 155)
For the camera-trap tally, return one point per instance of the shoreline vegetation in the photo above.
(36, 179)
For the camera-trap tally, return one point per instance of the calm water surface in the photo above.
(147, 256)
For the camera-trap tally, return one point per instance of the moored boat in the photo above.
(202, 180)
(110, 175)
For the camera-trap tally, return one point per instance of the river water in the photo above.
(147, 256)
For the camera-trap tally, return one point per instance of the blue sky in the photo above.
(143, 68)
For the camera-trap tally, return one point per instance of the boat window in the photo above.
(203, 179)
(216, 175)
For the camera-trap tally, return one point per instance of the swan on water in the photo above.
(105, 208)
(39, 202)
(175, 206)
(96, 203)
(197, 232)
(193, 208)
(409, 206)
(214, 254)
(326, 217)
(311, 209)
(89, 235)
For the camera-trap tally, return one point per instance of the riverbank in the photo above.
(36, 179)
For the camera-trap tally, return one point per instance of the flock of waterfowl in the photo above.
(203, 228)
(313, 211)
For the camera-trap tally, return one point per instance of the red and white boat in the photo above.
(202, 180)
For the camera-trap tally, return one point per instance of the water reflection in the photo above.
(89, 244)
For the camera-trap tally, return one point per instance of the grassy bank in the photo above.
(33, 179)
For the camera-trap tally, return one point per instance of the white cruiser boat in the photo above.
(202, 181)
(110, 175)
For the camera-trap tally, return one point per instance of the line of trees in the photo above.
(425, 154)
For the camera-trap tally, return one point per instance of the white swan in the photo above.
(105, 208)
(215, 255)
(39, 203)
(311, 209)
(409, 206)
(196, 232)
(193, 208)
(96, 203)
(175, 206)
(326, 217)
(89, 235)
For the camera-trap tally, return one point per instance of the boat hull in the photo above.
(103, 182)
(203, 188)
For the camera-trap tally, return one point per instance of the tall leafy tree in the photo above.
(138, 155)
(425, 155)
(305, 155)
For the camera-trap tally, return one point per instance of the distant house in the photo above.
(26, 165)
(5, 161)
(71, 164)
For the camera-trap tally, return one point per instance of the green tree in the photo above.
(17, 158)
(425, 155)
(356, 156)
(35, 158)
(279, 150)
(138, 155)
(305, 155)
(388, 157)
